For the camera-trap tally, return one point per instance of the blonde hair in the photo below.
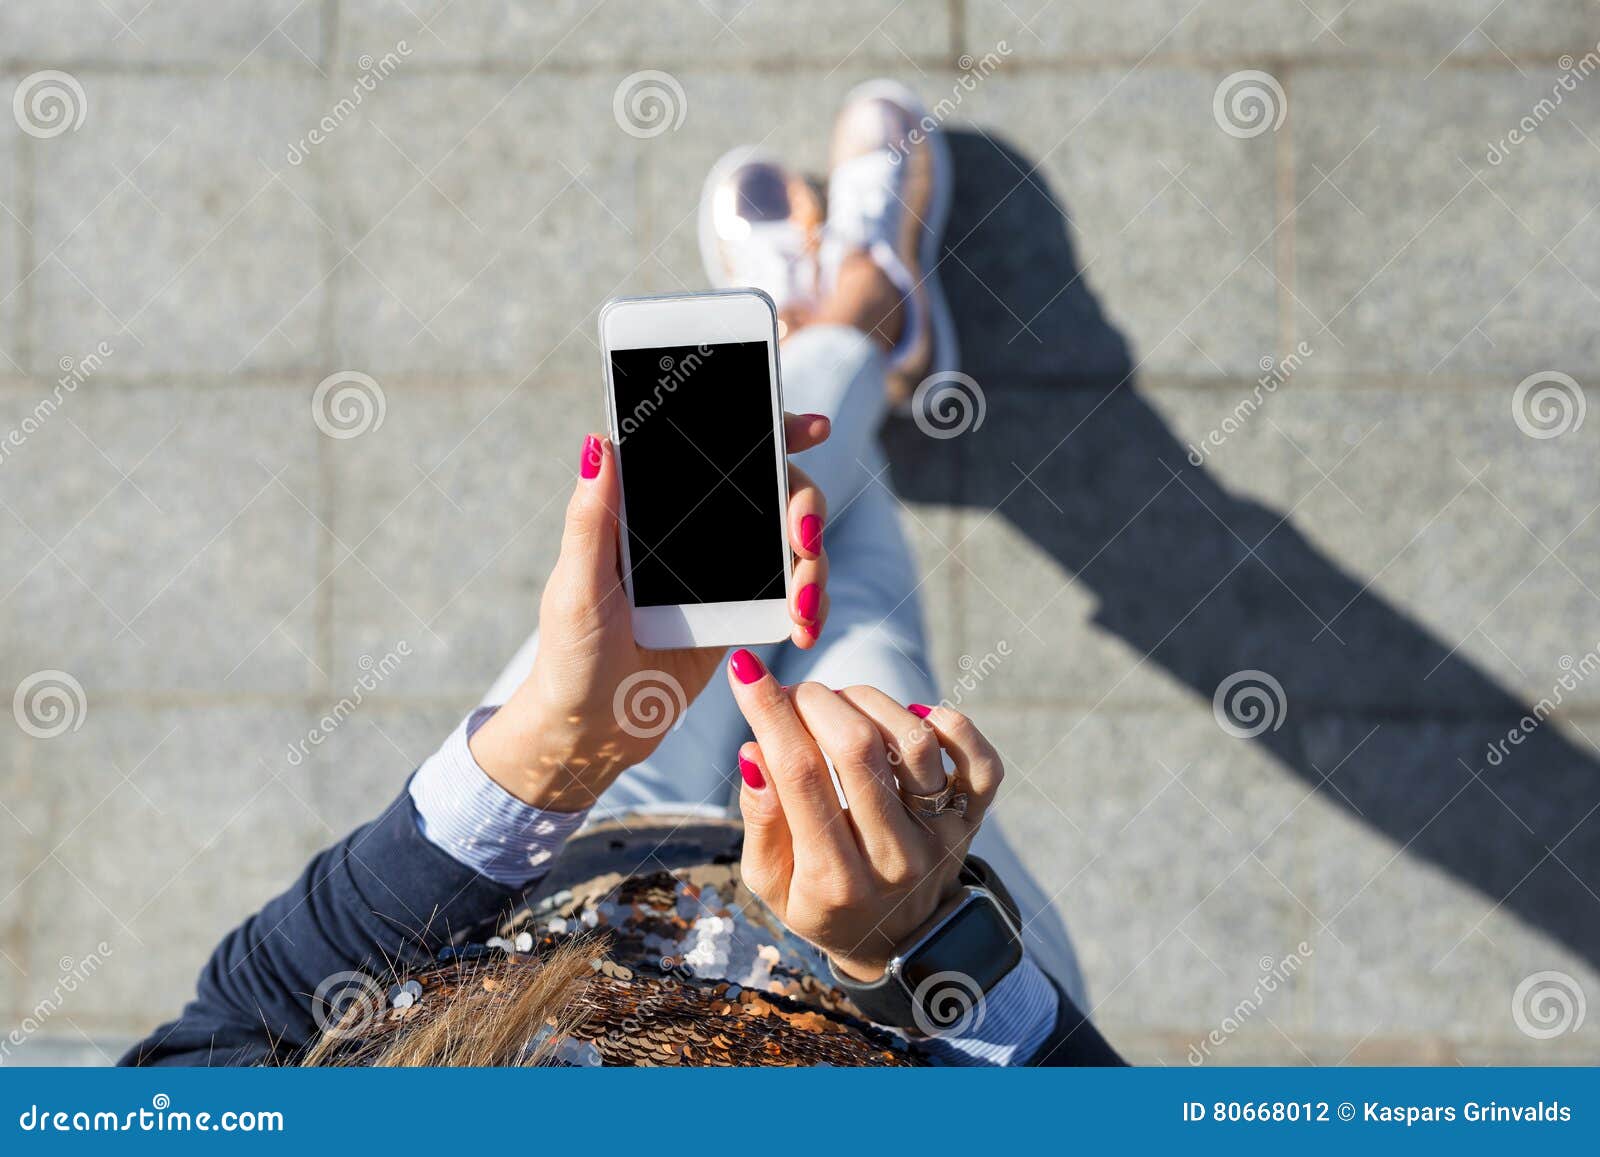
(489, 1012)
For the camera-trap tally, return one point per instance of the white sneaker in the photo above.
(760, 226)
(889, 194)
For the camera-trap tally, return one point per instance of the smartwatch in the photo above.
(938, 982)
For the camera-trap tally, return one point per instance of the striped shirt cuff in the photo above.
(477, 823)
(1018, 1015)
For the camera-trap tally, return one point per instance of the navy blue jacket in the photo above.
(382, 898)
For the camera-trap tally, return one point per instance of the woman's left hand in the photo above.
(857, 883)
(596, 702)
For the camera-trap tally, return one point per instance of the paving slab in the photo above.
(1419, 250)
(444, 271)
(1423, 523)
(366, 762)
(1175, 236)
(1432, 31)
(176, 546)
(1062, 30)
(1087, 555)
(12, 234)
(1170, 932)
(222, 830)
(24, 820)
(673, 34)
(1438, 31)
(170, 226)
(1406, 548)
(1437, 938)
(72, 1051)
(224, 33)
(453, 509)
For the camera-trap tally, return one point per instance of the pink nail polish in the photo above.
(751, 773)
(811, 629)
(746, 667)
(589, 462)
(808, 601)
(811, 533)
(920, 711)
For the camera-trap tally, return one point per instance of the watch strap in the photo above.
(977, 873)
(882, 1001)
(887, 1000)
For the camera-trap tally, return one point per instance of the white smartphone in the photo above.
(695, 407)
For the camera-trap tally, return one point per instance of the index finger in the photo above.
(799, 771)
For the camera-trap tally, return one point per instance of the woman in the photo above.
(843, 921)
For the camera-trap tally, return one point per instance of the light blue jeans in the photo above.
(873, 636)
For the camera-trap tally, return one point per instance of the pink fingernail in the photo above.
(751, 773)
(589, 462)
(811, 629)
(808, 601)
(746, 667)
(920, 711)
(811, 533)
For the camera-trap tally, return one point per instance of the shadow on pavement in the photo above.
(1207, 583)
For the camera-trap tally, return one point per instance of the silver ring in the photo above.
(946, 801)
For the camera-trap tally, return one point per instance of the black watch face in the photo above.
(950, 973)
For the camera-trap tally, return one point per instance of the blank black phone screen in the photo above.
(700, 488)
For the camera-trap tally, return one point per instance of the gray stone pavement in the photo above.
(1383, 535)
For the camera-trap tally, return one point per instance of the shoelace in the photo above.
(862, 207)
(773, 258)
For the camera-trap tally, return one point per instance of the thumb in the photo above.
(589, 538)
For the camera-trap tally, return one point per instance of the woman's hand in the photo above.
(596, 702)
(855, 883)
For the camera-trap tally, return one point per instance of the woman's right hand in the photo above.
(858, 883)
(596, 702)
